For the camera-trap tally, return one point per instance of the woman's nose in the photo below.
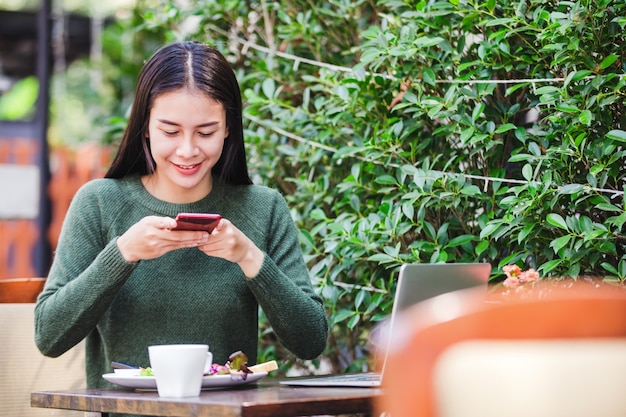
(187, 148)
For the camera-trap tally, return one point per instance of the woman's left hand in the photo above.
(228, 242)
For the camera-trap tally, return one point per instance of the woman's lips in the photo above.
(187, 169)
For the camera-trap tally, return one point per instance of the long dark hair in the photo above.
(175, 66)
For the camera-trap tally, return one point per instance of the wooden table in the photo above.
(263, 399)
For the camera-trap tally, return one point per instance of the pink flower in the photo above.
(512, 270)
(515, 277)
(529, 276)
(511, 282)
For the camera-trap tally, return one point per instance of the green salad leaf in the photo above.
(238, 361)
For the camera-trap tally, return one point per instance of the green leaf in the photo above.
(505, 128)
(579, 75)
(534, 149)
(571, 189)
(567, 108)
(470, 190)
(520, 157)
(548, 89)
(560, 243)
(618, 135)
(342, 92)
(478, 110)
(370, 55)
(608, 61)
(429, 77)
(501, 21)
(489, 229)
(514, 88)
(466, 134)
(433, 113)
(556, 220)
(549, 266)
(318, 214)
(386, 179)
(504, 47)
(342, 315)
(354, 321)
(525, 232)
(481, 247)
(360, 296)
(608, 207)
(269, 87)
(558, 15)
(306, 238)
(381, 258)
(607, 266)
(585, 117)
(427, 41)
(460, 240)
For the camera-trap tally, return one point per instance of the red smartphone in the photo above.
(197, 221)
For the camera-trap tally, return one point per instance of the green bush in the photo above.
(430, 131)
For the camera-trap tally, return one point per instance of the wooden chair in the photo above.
(23, 369)
(20, 290)
(553, 352)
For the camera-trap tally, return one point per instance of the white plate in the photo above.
(213, 381)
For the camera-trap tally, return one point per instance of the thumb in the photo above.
(165, 223)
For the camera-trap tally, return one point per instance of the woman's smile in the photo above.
(187, 169)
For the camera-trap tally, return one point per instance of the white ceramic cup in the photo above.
(178, 369)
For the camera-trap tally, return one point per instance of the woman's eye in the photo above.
(170, 132)
(205, 134)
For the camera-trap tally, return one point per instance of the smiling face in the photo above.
(186, 131)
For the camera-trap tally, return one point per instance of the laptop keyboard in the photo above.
(353, 377)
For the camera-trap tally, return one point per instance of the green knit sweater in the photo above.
(184, 296)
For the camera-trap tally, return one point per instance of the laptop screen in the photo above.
(416, 282)
(419, 282)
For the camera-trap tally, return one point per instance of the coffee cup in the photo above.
(178, 368)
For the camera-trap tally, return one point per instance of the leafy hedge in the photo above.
(440, 131)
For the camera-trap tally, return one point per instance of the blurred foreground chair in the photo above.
(24, 369)
(555, 352)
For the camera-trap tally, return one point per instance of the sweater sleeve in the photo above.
(86, 274)
(284, 291)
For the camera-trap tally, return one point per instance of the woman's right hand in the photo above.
(151, 238)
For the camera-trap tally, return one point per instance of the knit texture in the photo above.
(184, 296)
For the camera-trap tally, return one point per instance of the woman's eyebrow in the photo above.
(168, 122)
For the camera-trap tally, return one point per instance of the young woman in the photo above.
(124, 280)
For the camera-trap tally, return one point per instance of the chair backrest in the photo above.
(466, 335)
(24, 369)
(20, 290)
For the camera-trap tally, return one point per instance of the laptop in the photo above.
(416, 282)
